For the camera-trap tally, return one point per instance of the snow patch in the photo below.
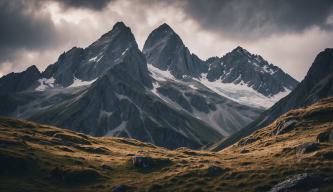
(268, 70)
(79, 82)
(120, 128)
(193, 87)
(96, 59)
(45, 84)
(123, 53)
(159, 74)
(242, 93)
(154, 90)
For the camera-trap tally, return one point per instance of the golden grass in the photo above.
(256, 166)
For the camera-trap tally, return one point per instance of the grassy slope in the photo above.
(33, 155)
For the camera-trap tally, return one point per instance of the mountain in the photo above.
(239, 75)
(120, 104)
(295, 153)
(241, 67)
(316, 85)
(164, 95)
(106, 89)
(88, 64)
(165, 50)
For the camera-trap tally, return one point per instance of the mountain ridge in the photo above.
(316, 85)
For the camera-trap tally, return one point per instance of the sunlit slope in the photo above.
(297, 146)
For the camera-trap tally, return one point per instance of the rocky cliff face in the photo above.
(239, 75)
(241, 67)
(120, 104)
(90, 63)
(16, 82)
(165, 50)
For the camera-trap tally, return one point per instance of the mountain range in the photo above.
(164, 94)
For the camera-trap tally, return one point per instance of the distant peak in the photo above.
(165, 27)
(239, 48)
(32, 68)
(119, 24)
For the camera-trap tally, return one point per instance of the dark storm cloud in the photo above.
(23, 26)
(252, 19)
(89, 4)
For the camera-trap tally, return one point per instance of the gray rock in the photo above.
(285, 127)
(147, 163)
(122, 188)
(300, 182)
(248, 140)
(326, 136)
(75, 176)
(328, 155)
(244, 151)
(307, 148)
(214, 171)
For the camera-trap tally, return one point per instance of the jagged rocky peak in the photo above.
(165, 28)
(165, 50)
(241, 67)
(321, 67)
(33, 69)
(16, 82)
(92, 62)
(119, 33)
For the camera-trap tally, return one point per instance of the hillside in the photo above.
(297, 146)
(316, 85)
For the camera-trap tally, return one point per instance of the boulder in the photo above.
(299, 182)
(328, 155)
(72, 139)
(307, 148)
(213, 171)
(122, 188)
(75, 176)
(106, 167)
(244, 151)
(326, 136)
(285, 127)
(143, 162)
(248, 140)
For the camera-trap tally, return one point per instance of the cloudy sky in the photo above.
(287, 33)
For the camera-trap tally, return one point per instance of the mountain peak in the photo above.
(165, 27)
(321, 67)
(165, 50)
(33, 68)
(240, 49)
(119, 25)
